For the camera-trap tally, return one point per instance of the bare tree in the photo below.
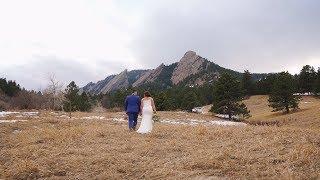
(54, 91)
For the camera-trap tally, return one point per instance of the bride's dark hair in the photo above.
(147, 94)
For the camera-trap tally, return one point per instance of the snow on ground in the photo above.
(180, 121)
(119, 119)
(12, 121)
(6, 113)
(307, 102)
(227, 123)
(202, 122)
(30, 113)
(191, 122)
(19, 114)
(225, 116)
(93, 117)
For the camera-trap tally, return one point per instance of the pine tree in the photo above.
(161, 101)
(72, 98)
(189, 101)
(306, 79)
(316, 86)
(263, 86)
(247, 83)
(281, 97)
(227, 97)
(84, 103)
(10, 88)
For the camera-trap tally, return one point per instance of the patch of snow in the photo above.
(93, 117)
(197, 121)
(307, 102)
(207, 123)
(16, 131)
(173, 122)
(225, 116)
(118, 119)
(198, 110)
(192, 122)
(11, 121)
(5, 113)
(227, 123)
(304, 94)
(30, 113)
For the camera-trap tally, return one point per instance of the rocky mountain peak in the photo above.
(189, 64)
(189, 55)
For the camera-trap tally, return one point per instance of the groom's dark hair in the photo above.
(135, 92)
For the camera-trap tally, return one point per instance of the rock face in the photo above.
(113, 82)
(189, 64)
(118, 82)
(95, 88)
(149, 76)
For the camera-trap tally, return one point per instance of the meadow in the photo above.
(97, 145)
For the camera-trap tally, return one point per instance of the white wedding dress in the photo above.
(147, 114)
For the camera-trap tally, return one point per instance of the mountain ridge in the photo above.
(190, 70)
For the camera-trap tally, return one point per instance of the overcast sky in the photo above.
(86, 40)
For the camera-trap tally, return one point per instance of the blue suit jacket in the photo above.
(132, 104)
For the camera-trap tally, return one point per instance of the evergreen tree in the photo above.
(281, 97)
(74, 101)
(161, 101)
(306, 79)
(227, 97)
(84, 103)
(247, 83)
(263, 86)
(316, 86)
(72, 97)
(190, 101)
(10, 88)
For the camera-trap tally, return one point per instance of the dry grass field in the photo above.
(98, 146)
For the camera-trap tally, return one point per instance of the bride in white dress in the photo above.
(147, 109)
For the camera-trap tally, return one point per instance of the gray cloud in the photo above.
(263, 36)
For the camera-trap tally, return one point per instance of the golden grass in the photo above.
(307, 116)
(52, 147)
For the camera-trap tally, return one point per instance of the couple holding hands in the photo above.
(145, 107)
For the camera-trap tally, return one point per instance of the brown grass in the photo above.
(52, 147)
(307, 116)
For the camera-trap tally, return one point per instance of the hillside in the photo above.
(182, 146)
(308, 116)
(191, 70)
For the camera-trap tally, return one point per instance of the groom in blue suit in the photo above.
(132, 108)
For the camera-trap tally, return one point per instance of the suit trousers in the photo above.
(133, 120)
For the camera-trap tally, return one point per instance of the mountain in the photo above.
(190, 64)
(149, 76)
(191, 70)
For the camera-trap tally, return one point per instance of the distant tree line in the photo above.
(226, 94)
(307, 81)
(53, 97)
